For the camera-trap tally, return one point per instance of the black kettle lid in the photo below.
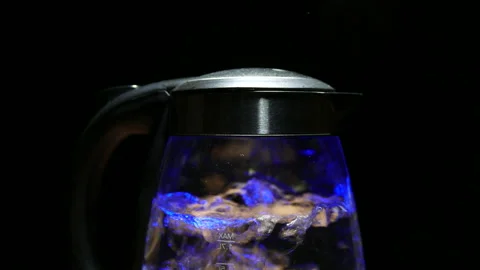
(257, 102)
(254, 78)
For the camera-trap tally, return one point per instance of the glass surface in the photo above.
(253, 203)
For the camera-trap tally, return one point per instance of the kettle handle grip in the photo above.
(95, 148)
(119, 119)
(88, 178)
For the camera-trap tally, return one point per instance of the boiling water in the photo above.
(251, 226)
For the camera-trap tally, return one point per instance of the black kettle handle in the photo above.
(134, 112)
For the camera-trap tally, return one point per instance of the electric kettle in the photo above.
(241, 169)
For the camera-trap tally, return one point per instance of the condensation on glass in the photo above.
(253, 203)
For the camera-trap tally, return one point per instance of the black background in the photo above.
(398, 154)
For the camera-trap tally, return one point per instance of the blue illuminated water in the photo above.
(254, 203)
(254, 235)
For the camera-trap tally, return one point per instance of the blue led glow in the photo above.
(340, 190)
(258, 192)
(208, 223)
(308, 152)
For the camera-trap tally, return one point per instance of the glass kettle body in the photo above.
(241, 176)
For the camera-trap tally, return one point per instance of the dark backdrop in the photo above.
(396, 60)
